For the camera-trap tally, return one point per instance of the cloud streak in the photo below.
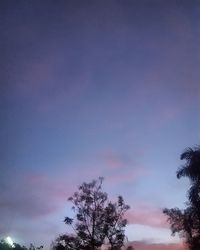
(33, 195)
(120, 168)
(142, 245)
(147, 215)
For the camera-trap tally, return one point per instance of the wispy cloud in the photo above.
(142, 245)
(115, 160)
(129, 175)
(33, 195)
(147, 215)
(120, 167)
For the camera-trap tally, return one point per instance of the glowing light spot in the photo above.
(10, 241)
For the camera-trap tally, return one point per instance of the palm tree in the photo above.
(191, 169)
(187, 222)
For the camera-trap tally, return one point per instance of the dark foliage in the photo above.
(186, 222)
(97, 220)
(5, 246)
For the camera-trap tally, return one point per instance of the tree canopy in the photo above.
(97, 220)
(5, 246)
(186, 221)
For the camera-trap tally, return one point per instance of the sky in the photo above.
(96, 88)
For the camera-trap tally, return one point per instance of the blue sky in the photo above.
(96, 88)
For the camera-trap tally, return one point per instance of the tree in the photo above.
(32, 247)
(5, 246)
(97, 221)
(186, 222)
(115, 223)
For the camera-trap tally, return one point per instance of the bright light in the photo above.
(10, 241)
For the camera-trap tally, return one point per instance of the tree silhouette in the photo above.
(32, 247)
(115, 223)
(97, 221)
(5, 246)
(186, 222)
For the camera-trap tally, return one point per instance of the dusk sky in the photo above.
(96, 88)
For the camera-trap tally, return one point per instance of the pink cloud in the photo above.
(147, 215)
(120, 177)
(141, 245)
(34, 195)
(115, 160)
(119, 167)
(126, 175)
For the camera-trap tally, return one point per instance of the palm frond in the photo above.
(187, 154)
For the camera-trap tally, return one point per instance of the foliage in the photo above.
(5, 246)
(97, 220)
(32, 247)
(115, 223)
(186, 222)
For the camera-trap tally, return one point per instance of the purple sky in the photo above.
(96, 88)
